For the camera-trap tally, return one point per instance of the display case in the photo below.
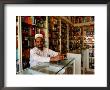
(64, 67)
(71, 65)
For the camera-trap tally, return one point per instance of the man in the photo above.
(41, 54)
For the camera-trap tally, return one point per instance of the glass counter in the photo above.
(61, 67)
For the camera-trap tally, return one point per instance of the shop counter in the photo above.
(62, 67)
(70, 65)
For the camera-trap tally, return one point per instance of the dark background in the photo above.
(2, 31)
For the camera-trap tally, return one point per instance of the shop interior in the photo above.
(72, 36)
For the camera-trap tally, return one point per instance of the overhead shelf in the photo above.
(84, 24)
(67, 20)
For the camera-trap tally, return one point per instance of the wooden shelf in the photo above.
(84, 24)
(64, 18)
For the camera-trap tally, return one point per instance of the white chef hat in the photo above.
(38, 35)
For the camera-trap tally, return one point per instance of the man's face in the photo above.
(39, 42)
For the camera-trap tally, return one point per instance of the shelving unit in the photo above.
(64, 37)
(32, 25)
(91, 59)
(75, 40)
(59, 37)
(87, 41)
(54, 34)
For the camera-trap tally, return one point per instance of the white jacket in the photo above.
(37, 56)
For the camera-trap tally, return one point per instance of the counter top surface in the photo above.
(49, 68)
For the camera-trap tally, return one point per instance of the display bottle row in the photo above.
(75, 40)
(91, 62)
(83, 19)
(54, 34)
(91, 58)
(63, 37)
(30, 26)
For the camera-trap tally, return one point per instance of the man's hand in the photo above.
(57, 58)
